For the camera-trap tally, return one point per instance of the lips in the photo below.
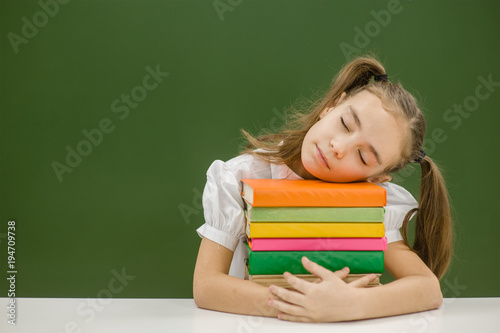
(321, 157)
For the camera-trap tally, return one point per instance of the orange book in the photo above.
(311, 193)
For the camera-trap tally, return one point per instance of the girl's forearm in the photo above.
(406, 295)
(226, 293)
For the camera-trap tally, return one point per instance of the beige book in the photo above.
(280, 281)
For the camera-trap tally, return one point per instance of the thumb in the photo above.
(321, 271)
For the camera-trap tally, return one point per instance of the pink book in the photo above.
(318, 244)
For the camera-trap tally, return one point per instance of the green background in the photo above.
(121, 207)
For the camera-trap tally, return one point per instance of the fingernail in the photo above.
(345, 269)
(306, 259)
(271, 289)
(270, 302)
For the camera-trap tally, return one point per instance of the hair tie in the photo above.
(420, 157)
(381, 78)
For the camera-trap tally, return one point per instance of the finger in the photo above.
(286, 308)
(363, 281)
(292, 297)
(296, 283)
(342, 273)
(321, 271)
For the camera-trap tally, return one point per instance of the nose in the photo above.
(338, 149)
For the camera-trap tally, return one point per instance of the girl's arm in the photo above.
(214, 289)
(415, 289)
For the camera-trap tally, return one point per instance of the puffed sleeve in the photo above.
(223, 207)
(399, 202)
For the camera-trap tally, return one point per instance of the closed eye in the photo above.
(361, 157)
(343, 123)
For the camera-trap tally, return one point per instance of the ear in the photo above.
(379, 179)
(340, 99)
(334, 104)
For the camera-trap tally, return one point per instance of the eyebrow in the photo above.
(358, 124)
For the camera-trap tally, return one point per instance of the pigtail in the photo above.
(433, 230)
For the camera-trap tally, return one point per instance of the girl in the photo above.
(361, 130)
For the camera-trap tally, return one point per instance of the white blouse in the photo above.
(223, 205)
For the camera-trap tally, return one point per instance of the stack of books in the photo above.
(333, 224)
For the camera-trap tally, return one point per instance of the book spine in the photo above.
(279, 280)
(318, 244)
(359, 262)
(316, 214)
(321, 197)
(315, 230)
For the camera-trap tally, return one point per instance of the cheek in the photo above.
(319, 129)
(348, 172)
(352, 175)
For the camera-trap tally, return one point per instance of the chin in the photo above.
(311, 170)
(334, 178)
(320, 175)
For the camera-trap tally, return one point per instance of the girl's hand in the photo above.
(325, 300)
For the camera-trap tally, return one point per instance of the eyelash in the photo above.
(343, 123)
(347, 128)
(361, 157)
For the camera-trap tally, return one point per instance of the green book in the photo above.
(278, 262)
(315, 214)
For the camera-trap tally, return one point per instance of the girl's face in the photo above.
(356, 140)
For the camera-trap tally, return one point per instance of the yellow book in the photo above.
(313, 229)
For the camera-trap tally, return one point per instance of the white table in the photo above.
(58, 315)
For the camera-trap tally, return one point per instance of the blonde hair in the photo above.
(433, 229)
